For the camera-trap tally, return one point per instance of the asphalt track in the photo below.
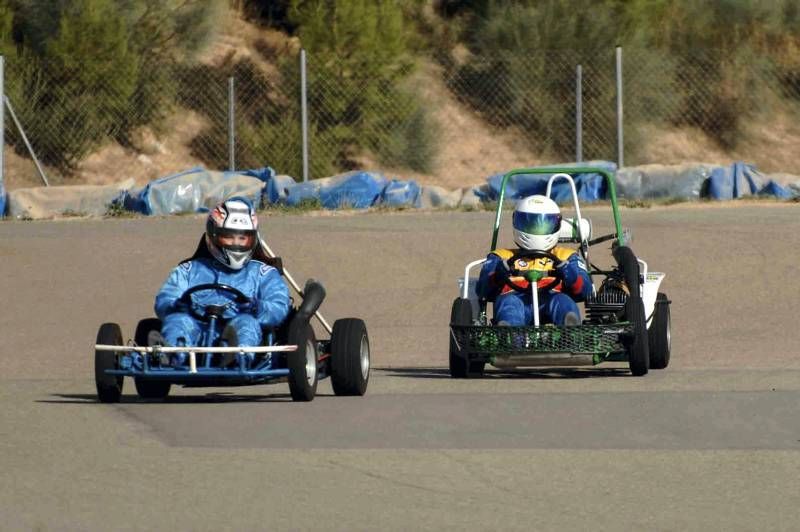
(712, 442)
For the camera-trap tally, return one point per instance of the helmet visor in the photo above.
(537, 223)
(235, 239)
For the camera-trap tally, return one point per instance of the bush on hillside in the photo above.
(355, 82)
(91, 70)
(707, 65)
(358, 104)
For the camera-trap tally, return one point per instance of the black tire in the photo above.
(629, 266)
(302, 385)
(637, 347)
(350, 361)
(109, 387)
(152, 388)
(144, 327)
(149, 388)
(460, 367)
(659, 334)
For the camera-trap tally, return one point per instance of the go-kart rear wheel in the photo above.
(143, 329)
(460, 367)
(109, 387)
(349, 357)
(637, 347)
(304, 362)
(659, 335)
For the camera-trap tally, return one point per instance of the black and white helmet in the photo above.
(232, 232)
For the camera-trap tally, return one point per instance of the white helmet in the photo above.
(232, 232)
(537, 220)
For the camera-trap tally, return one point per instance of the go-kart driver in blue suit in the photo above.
(536, 221)
(225, 256)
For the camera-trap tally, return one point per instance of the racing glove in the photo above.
(568, 271)
(179, 305)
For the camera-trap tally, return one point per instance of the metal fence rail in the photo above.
(410, 122)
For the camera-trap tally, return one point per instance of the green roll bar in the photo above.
(571, 170)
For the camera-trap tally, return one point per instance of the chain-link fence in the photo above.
(464, 120)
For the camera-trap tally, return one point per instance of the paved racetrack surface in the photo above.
(712, 442)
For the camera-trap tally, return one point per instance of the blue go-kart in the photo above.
(290, 352)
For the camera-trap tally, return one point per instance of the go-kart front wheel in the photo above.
(460, 367)
(149, 388)
(637, 347)
(304, 362)
(659, 334)
(109, 387)
(349, 357)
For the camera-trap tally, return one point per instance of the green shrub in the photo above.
(709, 65)
(90, 70)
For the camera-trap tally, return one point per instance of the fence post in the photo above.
(304, 113)
(25, 140)
(231, 126)
(2, 121)
(578, 114)
(620, 159)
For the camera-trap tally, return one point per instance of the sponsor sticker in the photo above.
(218, 215)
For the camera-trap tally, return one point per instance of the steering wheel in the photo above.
(208, 311)
(534, 255)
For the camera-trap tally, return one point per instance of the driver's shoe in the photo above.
(155, 338)
(572, 319)
(228, 338)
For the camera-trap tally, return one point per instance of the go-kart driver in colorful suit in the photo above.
(225, 256)
(536, 221)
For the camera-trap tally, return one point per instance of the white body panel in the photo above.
(467, 284)
(649, 290)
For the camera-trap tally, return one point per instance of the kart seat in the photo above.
(568, 232)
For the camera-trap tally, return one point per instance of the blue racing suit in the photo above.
(514, 307)
(258, 281)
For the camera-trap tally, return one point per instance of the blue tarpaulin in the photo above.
(355, 190)
(277, 189)
(590, 186)
(735, 181)
(774, 189)
(400, 193)
(742, 179)
(2, 199)
(196, 190)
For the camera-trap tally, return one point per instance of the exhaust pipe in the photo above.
(313, 295)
